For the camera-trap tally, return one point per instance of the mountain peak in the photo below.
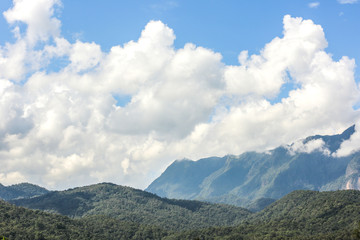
(253, 175)
(333, 142)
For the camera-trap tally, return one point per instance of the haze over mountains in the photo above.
(308, 164)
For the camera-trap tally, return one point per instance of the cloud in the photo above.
(63, 128)
(186, 90)
(309, 147)
(264, 74)
(84, 56)
(347, 1)
(38, 16)
(11, 177)
(351, 145)
(17, 59)
(314, 4)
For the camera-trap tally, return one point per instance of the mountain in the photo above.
(128, 204)
(299, 215)
(242, 179)
(302, 214)
(22, 190)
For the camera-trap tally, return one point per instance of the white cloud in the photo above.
(17, 59)
(64, 128)
(264, 74)
(126, 69)
(347, 1)
(185, 92)
(84, 56)
(309, 147)
(314, 4)
(351, 145)
(11, 177)
(38, 16)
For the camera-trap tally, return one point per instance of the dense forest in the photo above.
(19, 223)
(129, 204)
(108, 211)
(299, 215)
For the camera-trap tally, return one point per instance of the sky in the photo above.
(116, 91)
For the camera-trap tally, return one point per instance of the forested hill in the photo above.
(21, 190)
(129, 204)
(18, 223)
(299, 215)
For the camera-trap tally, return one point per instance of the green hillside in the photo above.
(299, 215)
(128, 204)
(21, 190)
(18, 223)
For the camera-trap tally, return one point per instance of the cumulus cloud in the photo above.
(63, 128)
(38, 16)
(264, 74)
(17, 59)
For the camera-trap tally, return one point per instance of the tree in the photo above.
(356, 232)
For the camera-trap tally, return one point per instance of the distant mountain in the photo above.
(22, 190)
(242, 179)
(128, 204)
(299, 215)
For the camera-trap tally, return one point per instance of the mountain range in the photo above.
(259, 178)
(109, 211)
(290, 192)
(129, 204)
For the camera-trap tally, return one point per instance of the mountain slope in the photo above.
(22, 190)
(252, 175)
(25, 224)
(189, 173)
(21, 223)
(299, 215)
(128, 204)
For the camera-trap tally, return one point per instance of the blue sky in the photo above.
(227, 27)
(115, 91)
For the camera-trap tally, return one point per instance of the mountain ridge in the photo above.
(129, 204)
(301, 214)
(241, 179)
(21, 190)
